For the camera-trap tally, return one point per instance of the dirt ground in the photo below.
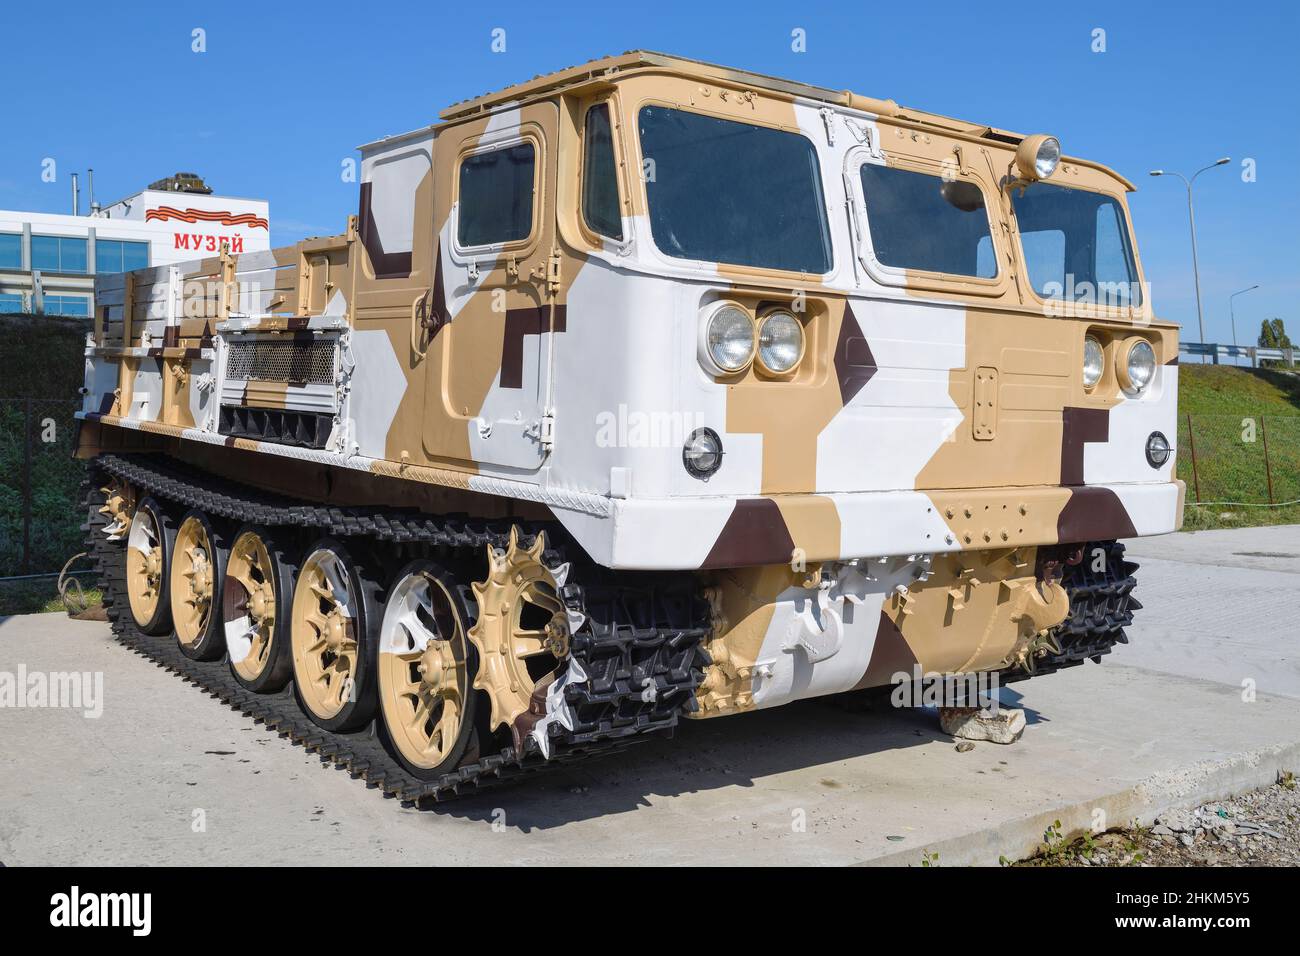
(1260, 828)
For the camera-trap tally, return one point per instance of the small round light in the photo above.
(1094, 362)
(1049, 154)
(1157, 449)
(780, 342)
(727, 343)
(1037, 156)
(702, 453)
(1139, 365)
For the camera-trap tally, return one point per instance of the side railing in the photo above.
(1217, 354)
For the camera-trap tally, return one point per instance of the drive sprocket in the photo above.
(522, 631)
(118, 508)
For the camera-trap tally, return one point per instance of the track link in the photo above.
(1101, 606)
(640, 643)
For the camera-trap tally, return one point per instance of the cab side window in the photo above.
(600, 206)
(496, 196)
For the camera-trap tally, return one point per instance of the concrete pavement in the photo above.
(1165, 721)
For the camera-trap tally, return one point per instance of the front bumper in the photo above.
(702, 533)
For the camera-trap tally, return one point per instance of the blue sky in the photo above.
(285, 91)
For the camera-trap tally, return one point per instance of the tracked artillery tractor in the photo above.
(642, 391)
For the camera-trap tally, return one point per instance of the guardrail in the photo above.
(1253, 354)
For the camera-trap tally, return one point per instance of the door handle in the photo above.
(420, 323)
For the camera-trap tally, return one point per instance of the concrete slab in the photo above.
(1155, 726)
(1222, 606)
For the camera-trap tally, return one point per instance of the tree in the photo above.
(1272, 335)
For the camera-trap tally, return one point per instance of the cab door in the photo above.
(492, 299)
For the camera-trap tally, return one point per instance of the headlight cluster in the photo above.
(1135, 361)
(1094, 362)
(780, 342)
(1138, 366)
(730, 340)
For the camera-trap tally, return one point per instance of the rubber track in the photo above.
(622, 649)
(1101, 606)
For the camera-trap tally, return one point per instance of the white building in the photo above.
(48, 262)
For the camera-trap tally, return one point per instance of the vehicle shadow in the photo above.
(704, 755)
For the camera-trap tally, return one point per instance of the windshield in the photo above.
(1076, 245)
(919, 221)
(721, 191)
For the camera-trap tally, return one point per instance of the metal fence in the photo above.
(40, 518)
(1234, 459)
(1231, 354)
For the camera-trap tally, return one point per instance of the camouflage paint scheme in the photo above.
(866, 517)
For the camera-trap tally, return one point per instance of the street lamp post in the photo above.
(1191, 218)
(1233, 313)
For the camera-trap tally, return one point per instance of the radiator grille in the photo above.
(264, 361)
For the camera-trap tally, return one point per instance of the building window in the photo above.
(11, 251)
(496, 196)
(928, 223)
(58, 254)
(118, 255)
(11, 302)
(73, 305)
(600, 177)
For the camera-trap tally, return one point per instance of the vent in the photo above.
(290, 362)
(282, 426)
(999, 136)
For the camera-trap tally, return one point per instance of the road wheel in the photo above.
(255, 606)
(197, 571)
(426, 672)
(334, 609)
(149, 547)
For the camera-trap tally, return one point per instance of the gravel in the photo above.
(1260, 828)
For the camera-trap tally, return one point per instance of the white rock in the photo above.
(971, 723)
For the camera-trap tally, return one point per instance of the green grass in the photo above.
(1224, 390)
(1239, 444)
(1232, 516)
(38, 596)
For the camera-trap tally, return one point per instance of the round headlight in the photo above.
(1157, 449)
(1139, 365)
(702, 453)
(780, 342)
(727, 340)
(1037, 156)
(1094, 362)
